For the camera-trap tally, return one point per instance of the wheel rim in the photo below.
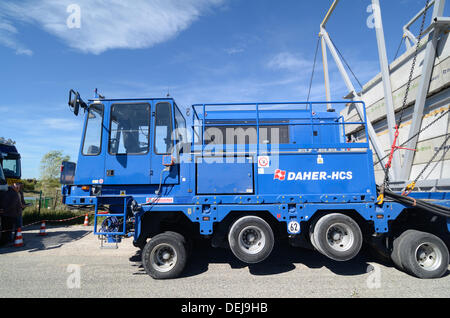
(428, 256)
(340, 237)
(163, 257)
(252, 240)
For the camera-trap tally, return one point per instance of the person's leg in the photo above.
(3, 235)
(13, 228)
(8, 229)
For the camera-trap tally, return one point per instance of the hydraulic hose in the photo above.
(431, 207)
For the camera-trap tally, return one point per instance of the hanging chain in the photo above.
(414, 136)
(410, 187)
(394, 147)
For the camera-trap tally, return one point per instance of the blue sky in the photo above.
(201, 50)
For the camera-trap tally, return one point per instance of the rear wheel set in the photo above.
(335, 235)
(420, 254)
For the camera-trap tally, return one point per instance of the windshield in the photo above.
(11, 168)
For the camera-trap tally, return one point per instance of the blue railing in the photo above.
(308, 107)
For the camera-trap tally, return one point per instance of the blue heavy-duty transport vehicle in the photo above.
(243, 176)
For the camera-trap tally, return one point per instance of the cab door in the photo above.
(90, 168)
(163, 142)
(128, 157)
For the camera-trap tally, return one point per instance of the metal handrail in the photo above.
(258, 123)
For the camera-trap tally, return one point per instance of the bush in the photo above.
(32, 215)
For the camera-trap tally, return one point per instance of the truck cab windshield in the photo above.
(11, 168)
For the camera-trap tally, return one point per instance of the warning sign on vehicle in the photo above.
(263, 162)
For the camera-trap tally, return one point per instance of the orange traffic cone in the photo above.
(86, 220)
(42, 231)
(18, 242)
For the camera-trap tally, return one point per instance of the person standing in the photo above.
(12, 214)
(18, 187)
(4, 224)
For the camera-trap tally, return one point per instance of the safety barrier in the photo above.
(52, 221)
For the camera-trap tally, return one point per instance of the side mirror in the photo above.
(74, 101)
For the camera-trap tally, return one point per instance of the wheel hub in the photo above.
(163, 257)
(428, 256)
(250, 237)
(340, 237)
(252, 240)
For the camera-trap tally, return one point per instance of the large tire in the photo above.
(338, 237)
(251, 239)
(188, 243)
(397, 246)
(311, 236)
(424, 255)
(164, 256)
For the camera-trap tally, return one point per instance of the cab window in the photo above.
(180, 126)
(129, 129)
(163, 129)
(93, 133)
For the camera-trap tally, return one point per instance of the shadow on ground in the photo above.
(33, 242)
(283, 259)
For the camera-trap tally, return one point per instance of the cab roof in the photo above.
(128, 99)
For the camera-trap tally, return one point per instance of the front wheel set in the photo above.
(165, 255)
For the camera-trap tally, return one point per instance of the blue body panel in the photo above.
(236, 176)
(321, 174)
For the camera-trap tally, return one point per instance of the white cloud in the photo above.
(111, 24)
(8, 35)
(288, 61)
(234, 50)
(61, 124)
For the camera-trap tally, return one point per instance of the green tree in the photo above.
(50, 169)
(29, 184)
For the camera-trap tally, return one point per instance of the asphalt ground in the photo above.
(68, 262)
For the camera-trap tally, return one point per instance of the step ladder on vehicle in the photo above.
(111, 225)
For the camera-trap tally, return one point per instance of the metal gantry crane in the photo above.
(428, 41)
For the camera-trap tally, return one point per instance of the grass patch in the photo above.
(32, 215)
